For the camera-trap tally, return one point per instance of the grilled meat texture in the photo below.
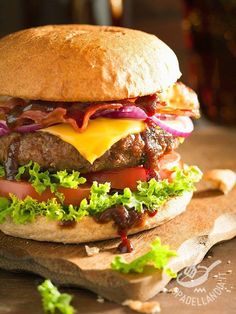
(51, 153)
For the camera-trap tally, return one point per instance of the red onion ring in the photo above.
(3, 124)
(3, 128)
(3, 131)
(128, 112)
(21, 129)
(28, 128)
(181, 126)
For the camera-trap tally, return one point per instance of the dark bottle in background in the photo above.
(20, 14)
(210, 29)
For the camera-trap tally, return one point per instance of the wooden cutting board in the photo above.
(210, 218)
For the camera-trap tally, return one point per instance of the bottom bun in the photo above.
(87, 229)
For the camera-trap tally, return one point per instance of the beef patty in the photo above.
(50, 152)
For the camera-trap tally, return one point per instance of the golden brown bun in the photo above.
(87, 230)
(84, 63)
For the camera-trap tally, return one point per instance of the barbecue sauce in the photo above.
(152, 214)
(11, 164)
(150, 103)
(124, 220)
(67, 224)
(125, 246)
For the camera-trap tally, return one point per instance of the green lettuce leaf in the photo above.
(2, 171)
(27, 210)
(158, 257)
(41, 180)
(149, 196)
(5, 208)
(53, 301)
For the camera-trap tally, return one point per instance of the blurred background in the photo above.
(201, 32)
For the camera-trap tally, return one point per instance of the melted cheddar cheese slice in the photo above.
(98, 137)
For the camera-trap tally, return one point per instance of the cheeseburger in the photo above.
(90, 120)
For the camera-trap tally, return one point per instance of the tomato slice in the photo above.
(23, 189)
(167, 162)
(119, 178)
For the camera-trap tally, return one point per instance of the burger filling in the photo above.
(52, 153)
(114, 161)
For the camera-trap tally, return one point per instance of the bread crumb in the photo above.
(143, 307)
(174, 290)
(229, 271)
(100, 299)
(91, 250)
(222, 179)
(165, 290)
(229, 262)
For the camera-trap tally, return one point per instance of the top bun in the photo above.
(84, 63)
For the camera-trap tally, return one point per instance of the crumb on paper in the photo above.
(229, 271)
(91, 250)
(209, 256)
(229, 262)
(174, 290)
(165, 290)
(151, 307)
(222, 179)
(100, 299)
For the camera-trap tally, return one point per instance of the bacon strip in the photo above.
(93, 109)
(9, 103)
(75, 117)
(178, 100)
(42, 117)
(179, 112)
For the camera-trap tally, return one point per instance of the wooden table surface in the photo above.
(18, 291)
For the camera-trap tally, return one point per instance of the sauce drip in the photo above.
(152, 173)
(125, 246)
(150, 104)
(124, 220)
(11, 164)
(152, 214)
(67, 224)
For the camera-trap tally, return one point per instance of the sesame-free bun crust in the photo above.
(87, 230)
(84, 63)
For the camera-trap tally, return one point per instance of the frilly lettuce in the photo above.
(158, 257)
(27, 210)
(41, 180)
(54, 301)
(149, 196)
(2, 171)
